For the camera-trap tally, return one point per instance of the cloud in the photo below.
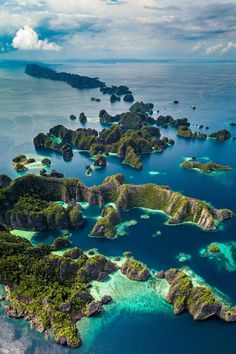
(27, 39)
(198, 46)
(165, 8)
(230, 46)
(214, 48)
(221, 48)
(95, 26)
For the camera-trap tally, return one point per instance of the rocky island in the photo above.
(79, 82)
(30, 203)
(186, 132)
(221, 135)
(76, 81)
(208, 167)
(128, 145)
(53, 292)
(199, 301)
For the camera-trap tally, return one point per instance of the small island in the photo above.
(186, 132)
(207, 168)
(221, 135)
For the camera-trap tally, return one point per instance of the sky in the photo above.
(139, 29)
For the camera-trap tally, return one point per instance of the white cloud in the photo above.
(198, 46)
(27, 2)
(214, 48)
(221, 48)
(27, 39)
(230, 46)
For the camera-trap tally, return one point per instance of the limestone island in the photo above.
(185, 132)
(221, 135)
(207, 168)
(127, 145)
(78, 81)
(31, 203)
(54, 292)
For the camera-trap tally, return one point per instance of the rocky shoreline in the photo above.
(128, 145)
(29, 203)
(56, 293)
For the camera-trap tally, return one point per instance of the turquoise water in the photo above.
(29, 106)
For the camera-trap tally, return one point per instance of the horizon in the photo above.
(90, 29)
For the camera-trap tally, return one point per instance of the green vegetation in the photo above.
(177, 206)
(50, 291)
(213, 248)
(127, 144)
(186, 132)
(132, 159)
(205, 167)
(135, 270)
(221, 135)
(106, 225)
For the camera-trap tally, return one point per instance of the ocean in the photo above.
(139, 320)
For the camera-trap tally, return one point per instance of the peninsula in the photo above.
(30, 203)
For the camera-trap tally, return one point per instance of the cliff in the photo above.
(33, 196)
(51, 292)
(199, 301)
(128, 145)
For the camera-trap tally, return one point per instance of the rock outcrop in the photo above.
(106, 225)
(116, 139)
(221, 135)
(199, 301)
(186, 132)
(205, 167)
(17, 208)
(135, 270)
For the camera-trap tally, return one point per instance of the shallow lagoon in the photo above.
(29, 106)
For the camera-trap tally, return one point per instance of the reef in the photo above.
(208, 167)
(106, 225)
(55, 292)
(199, 301)
(29, 202)
(22, 163)
(222, 253)
(221, 135)
(186, 132)
(75, 81)
(110, 140)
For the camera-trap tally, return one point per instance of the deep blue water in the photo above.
(29, 106)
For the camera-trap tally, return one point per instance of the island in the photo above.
(128, 145)
(186, 132)
(208, 167)
(74, 80)
(53, 292)
(221, 135)
(78, 81)
(31, 203)
(199, 301)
